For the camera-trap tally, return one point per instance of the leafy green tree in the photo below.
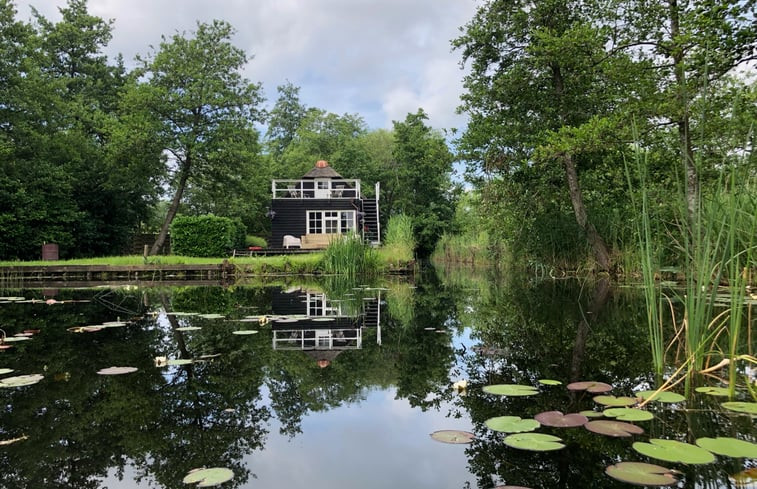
(422, 186)
(193, 86)
(284, 119)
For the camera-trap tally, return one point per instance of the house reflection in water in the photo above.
(308, 321)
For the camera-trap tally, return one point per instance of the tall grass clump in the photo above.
(468, 248)
(399, 242)
(349, 255)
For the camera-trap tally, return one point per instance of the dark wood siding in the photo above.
(291, 214)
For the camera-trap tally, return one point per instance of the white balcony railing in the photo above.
(316, 189)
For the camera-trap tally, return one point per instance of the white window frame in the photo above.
(340, 221)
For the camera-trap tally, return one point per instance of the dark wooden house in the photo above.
(322, 204)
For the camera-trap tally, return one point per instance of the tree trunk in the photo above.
(598, 245)
(682, 115)
(173, 209)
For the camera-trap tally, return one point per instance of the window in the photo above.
(330, 222)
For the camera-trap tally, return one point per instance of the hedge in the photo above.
(206, 236)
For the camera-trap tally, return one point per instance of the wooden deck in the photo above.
(117, 273)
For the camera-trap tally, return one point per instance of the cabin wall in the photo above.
(291, 214)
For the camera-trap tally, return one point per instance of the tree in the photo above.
(423, 185)
(284, 119)
(543, 91)
(205, 108)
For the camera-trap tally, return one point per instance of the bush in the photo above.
(206, 236)
(251, 240)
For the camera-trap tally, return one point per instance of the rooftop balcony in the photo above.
(316, 189)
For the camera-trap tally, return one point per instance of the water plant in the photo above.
(348, 255)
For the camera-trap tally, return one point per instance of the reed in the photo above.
(398, 250)
(348, 255)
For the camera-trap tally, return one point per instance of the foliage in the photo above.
(205, 236)
(349, 255)
(251, 240)
(399, 242)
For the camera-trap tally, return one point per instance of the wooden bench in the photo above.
(316, 241)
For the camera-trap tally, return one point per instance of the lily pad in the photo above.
(212, 316)
(188, 328)
(549, 382)
(741, 407)
(117, 370)
(618, 429)
(559, 420)
(179, 361)
(674, 451)
(535, 442)
(590, 386)
(628, 414)
(663, 396)
(511, 390)
(745, 477)
(12, 339)
(4, 371)
(591, 414)
(84, 329)
(453, 436)
(208, 477)
(245, 332)
(641, 474)
(714, 391)
(729, 447)
(21, 380)
(615, 401)
(511, 424)
(114, 324)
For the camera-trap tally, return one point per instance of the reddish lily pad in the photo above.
(208, 477)
(511, 424)
(615, 401)
(674, 451)
(453, 436)
(628, 414)
(535, 442)
(511, 390)
(745, 477)
(117, 370)
(613, 428)
(729, 447)
(590, 386)
(642, 474)
(661, 396)
(559, 420)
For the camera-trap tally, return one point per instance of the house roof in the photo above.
(322, 170)
(323, 357)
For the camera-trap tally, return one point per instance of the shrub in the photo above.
(251, 240)
(205, 236)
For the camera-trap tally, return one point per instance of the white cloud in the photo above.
(378, 58)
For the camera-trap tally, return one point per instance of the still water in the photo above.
(329, 385)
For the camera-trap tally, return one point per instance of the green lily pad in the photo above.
(618, 429)
(615, 401)
(11, 339)
(549, 382)
(453, 436)
(590, 386)
(535, 442)
(628, 414)
(511, 390)
(212, 316)
(245, 332)
(591, 414)
(714, 391)
(21, 380)
(674, 451)
(188, 328)
(729, 447)
(642, 474)
(559, 420)
(178, 313)
(179, 361)
(117, 370)
(114, 324)
(511, 424)
(741, 407)
(664, 396)
(4, 371)
(208, 477)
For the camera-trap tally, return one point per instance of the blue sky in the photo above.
(378, 58)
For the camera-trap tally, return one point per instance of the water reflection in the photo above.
(340, 386)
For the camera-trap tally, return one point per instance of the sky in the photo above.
(380, 59)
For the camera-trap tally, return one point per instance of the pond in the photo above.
(330, 384)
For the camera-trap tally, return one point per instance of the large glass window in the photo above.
(330, 222)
